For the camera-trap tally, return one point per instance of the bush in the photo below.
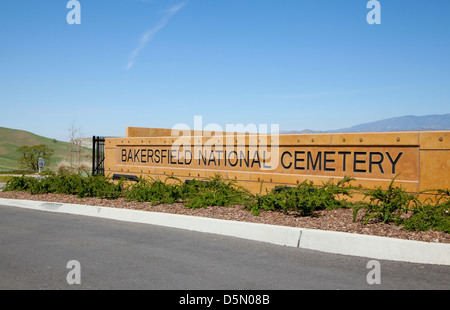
(394, 204)
(305, 198)
(390, 205)
(194, 194)
(154, 191)
(428, 217)
(63, 168)
(69, 184)
(214, 192)
(385, 205)
(100, 187)
(431, 216)
(22, 183)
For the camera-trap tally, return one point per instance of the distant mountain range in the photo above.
(402, 123)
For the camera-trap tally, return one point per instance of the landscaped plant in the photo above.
(23, 183)
(430, 216)
(214, 191)
(305, 198)
(389, 205)
(385, 205)
(69, 184)
(101, 187)
(154, 191)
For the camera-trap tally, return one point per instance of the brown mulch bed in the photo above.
(336, 220)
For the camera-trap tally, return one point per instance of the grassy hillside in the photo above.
(12, 139)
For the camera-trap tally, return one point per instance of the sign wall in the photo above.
(420, 160)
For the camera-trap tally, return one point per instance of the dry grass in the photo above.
(64, 167)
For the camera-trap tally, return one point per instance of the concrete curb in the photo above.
(373, 247)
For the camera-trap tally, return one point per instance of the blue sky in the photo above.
(313, 64)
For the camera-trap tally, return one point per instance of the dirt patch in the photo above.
(336, 220)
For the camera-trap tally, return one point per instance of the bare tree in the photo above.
(75, 133)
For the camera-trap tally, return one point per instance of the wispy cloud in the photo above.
(148, 35)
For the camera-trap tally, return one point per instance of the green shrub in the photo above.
(194, 194)
(431, 216)
(214, 192)
(305, 198)
(69, 184)
(385, 205)
(22, 183)
(154, 191)
(100, 186)
(428, 217)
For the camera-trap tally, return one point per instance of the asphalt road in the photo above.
(36, 247)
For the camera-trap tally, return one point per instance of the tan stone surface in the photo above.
(420, 160)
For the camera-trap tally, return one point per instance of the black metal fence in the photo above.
(98, 155)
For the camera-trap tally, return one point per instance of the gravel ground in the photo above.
(336, 220)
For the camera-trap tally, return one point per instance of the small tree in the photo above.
(75, 133)
(31, 154)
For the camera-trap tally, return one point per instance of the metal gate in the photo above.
(98, 155)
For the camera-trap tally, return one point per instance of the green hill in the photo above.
(12, 139)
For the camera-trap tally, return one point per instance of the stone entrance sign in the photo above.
(420, 160)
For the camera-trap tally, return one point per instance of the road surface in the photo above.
(39, 250)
